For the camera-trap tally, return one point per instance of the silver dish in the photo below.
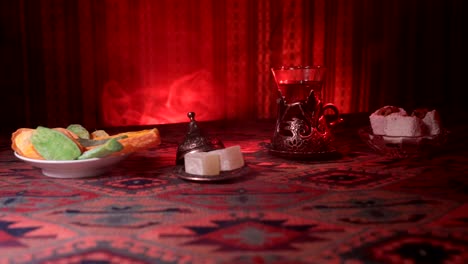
(403, 147)
(331, 154)
(179, 171)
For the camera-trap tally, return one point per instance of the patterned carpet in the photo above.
(360, 208)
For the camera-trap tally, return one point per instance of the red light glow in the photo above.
(160, 105)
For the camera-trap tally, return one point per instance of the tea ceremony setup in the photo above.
(357, 204)
(233, 131)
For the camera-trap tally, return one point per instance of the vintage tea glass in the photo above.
(302, 127)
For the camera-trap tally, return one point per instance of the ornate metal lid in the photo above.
(196, 141)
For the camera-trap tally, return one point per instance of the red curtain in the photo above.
(127, 62)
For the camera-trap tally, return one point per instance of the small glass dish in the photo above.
(403, 147)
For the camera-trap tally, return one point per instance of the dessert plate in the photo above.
(224, 175)
(74, 168)
(403, 147)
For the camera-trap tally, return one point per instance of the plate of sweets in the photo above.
(395, 133)
(215, 165)
(205, 158)
(73, 152)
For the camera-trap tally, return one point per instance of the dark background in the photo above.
(56, 57)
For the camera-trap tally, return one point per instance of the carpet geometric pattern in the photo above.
(360, 208)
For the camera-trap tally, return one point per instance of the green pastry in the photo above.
(53, 145)
(79, 130)
(96, 142)
(111, 146)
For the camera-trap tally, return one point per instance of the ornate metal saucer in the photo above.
(329, 154)
(179, 171)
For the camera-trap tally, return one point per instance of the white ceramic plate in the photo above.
(74, 168)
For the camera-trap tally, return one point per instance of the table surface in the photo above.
(363, 207)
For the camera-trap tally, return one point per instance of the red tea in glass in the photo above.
(294, 91)
(295, 83)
